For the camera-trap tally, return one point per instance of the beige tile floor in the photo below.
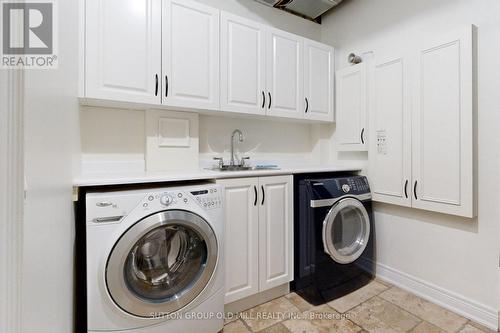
(377, 307)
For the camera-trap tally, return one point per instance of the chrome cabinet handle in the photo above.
(406, 189)
(415, 190)
(263, 99)
(307, 105)
(270, 100)
(255, 193)
(363, 136)
(156, 85)
(263, 195)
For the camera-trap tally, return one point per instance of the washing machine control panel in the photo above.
(208, 198)
(166, 199)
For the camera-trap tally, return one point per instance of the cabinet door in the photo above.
(318, 81)
(243, 68)
(123, 50)
(276, 231)
(351, 108)
(389, 152)
(190, 55)
(443, 126)
(241, 238)
(285, 75)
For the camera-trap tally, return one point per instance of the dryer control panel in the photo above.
(354, 184)
(338, 187)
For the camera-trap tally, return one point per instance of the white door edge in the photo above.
(11, 198)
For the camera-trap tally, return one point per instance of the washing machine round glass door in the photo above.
(346, 230)
(162, 263)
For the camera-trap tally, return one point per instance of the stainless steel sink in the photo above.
(233, 168)
(240, 168)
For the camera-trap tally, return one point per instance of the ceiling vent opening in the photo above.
(309, 9)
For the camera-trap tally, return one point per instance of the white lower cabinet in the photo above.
(241, 238)
(421, 151)
(275, 231)
(258, 234)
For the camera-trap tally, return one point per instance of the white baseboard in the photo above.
(454, 302)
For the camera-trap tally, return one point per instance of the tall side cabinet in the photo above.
(443, 126)
(424, 110)
(390, 131)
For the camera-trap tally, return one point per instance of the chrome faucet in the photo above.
(240, 139)
(235, 164)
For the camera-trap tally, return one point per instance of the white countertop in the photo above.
(202, 174)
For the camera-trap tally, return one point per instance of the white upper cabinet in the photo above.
(190, 55)
(276, 231)
(318, 81)
(390, 132)
(352, 108)
(123, 50)
(184, 55)
(443, 126)
(285, 74)
(243, 66)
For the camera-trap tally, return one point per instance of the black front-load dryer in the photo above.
(334, 237)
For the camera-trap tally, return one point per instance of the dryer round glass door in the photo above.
(346, 231)
(162, 263)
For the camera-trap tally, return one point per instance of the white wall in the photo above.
(117, 136)
(51, 148)
(264, 140)
(112, 136)
(455, 254)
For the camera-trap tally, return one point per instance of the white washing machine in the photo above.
(154, 260)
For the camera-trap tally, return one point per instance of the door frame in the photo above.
(11, 197)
